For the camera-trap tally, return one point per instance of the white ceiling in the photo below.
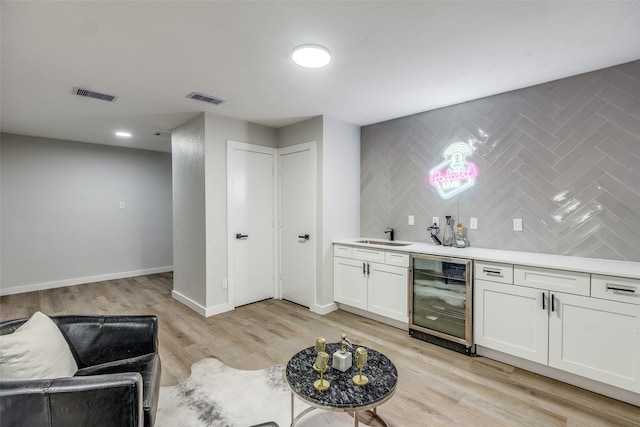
(390, 59)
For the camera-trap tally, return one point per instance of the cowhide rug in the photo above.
(217, 395)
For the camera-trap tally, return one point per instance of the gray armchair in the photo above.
(117, 383)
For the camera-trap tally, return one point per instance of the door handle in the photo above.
(368, 272)
(364, 271)
(241, 236)
(304, 236)
(543, 306)
(553, 303)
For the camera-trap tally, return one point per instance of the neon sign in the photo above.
(455, 174)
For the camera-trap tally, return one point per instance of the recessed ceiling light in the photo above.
(311, 56)
(123, 134)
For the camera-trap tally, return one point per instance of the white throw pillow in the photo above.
(36, 350)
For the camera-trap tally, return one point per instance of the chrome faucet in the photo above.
(391, 232)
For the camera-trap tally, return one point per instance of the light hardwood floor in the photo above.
(436, 387)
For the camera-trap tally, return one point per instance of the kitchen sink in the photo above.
(382, 242)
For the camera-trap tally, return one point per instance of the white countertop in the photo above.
(562, 262)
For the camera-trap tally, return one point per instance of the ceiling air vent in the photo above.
(91, 94)
(205, 98)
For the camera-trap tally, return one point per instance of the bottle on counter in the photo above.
(447, 235)
(460, 241)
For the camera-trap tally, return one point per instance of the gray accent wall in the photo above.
(61, 219)
(564, 156)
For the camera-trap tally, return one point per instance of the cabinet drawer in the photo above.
(615, 288)
(570, 282)
(396, 258)
(365, 254)
(493, 271)
(342, 251)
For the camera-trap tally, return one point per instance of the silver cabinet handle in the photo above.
(621, 289)
(489, 272)
(241, 236)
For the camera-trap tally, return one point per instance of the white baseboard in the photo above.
(199, 308)
(569, 378)
(217, 309)
(376, 317)
(82, 280)
(324, 309)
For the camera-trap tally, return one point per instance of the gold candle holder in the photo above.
(321, 345)
(361, 360)
(322, 361)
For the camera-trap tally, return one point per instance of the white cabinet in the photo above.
(570, 282)
(350, 282)
(585, 335)
(372, 280)
(510, 319)
(388, 291)
(597, 339)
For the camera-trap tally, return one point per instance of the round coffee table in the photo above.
(343, 395)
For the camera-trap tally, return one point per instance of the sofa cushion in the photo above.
(36, 350)
(148, 366)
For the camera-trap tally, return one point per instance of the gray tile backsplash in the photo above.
(564, 156)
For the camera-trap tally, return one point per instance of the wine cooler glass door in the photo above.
(441, 298)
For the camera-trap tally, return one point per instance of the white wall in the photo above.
(61, 219)
(338, 200)
(340, 195)
(338, 191)
(189, 219)
(200, 212)
(217, 131)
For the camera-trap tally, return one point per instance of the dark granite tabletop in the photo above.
(343, 393)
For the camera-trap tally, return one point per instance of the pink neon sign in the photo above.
(455, 174)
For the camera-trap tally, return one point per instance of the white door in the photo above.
(251, 214)
(297, 223)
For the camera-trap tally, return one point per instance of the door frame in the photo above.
(311, 146)
(231, 146)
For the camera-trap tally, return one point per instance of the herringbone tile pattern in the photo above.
(564, 156)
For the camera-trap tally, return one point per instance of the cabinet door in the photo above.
(388, 291)
(511, 319)
(350, 282)
(597, 339)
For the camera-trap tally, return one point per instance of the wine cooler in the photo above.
(441, 301)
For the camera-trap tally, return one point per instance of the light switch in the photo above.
(411, 220)
(121, 205)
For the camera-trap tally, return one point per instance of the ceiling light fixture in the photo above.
(123, 134)
(311, 56)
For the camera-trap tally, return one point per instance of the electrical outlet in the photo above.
(517, 224)
(411, 220)
(121, 205)
(473, 223)
(225, 284)
(436, 220)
